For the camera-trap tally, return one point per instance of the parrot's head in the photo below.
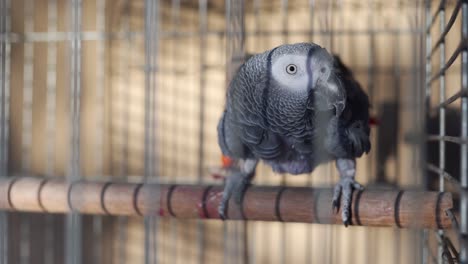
(306, 70)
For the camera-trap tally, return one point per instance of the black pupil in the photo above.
(292, 68)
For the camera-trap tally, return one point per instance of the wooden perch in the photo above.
(289, 204)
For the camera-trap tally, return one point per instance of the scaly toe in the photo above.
(240, 192)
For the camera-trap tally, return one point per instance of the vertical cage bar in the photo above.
(372, 52)
(371, 86)
(257, 18)
(203, 28)
(428, 67)
(464, 136)
(428, 92)
(173, 163)
(310, 230)
(148, 134)
(235, 37)
(26, 136)
(285, 38)
(371, 74)
(328, 25)
(5, 49)
(425, 246)
(75, 88)
(284, 20)
(5, 93)
(150, 72)
(397, 97)
(235, 237)
(151, 49)
(311, 19)
(100, 87)
(3, 43)
(73, 246)
(339, 23)
(398, 112)
(125, 97)
(100, 115)
(440, 247)
(418, 81)
(124, 91)
(253, 247)
(3, 169)
(51, 96)
(442, 109)
(371, 57)
(27, 88)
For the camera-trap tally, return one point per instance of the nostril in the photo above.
(323, 70)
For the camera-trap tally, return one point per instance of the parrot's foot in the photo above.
(345, 186)
(347, 169)
(235, 187)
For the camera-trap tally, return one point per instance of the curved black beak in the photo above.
(326, 92)
(328, 96)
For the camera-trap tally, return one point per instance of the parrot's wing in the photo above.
(265, 145)
(241, 139)
(263, 142)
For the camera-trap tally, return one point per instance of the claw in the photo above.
(236, 185)
(344, 189)
(346, 223)
(336, 198)
(358, 186)
(335, 206)
(222, 211)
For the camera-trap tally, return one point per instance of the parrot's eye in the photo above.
(291, 69)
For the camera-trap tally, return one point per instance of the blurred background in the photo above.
(132, 91)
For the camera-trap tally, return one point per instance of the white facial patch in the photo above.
(295, 82)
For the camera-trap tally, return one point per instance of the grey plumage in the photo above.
(294, 107)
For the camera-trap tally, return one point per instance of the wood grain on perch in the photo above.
(289, 204)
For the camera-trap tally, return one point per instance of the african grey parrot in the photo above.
(294, 107)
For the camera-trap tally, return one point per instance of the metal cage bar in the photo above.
(27, 126)
(73, 247)
(442, 92)
(124, 129)
(203, 27)
(150, 167)
(5, 49)
(100, 117)
(464, 135)
(445, 246)
(428, 71)
(235, 248)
